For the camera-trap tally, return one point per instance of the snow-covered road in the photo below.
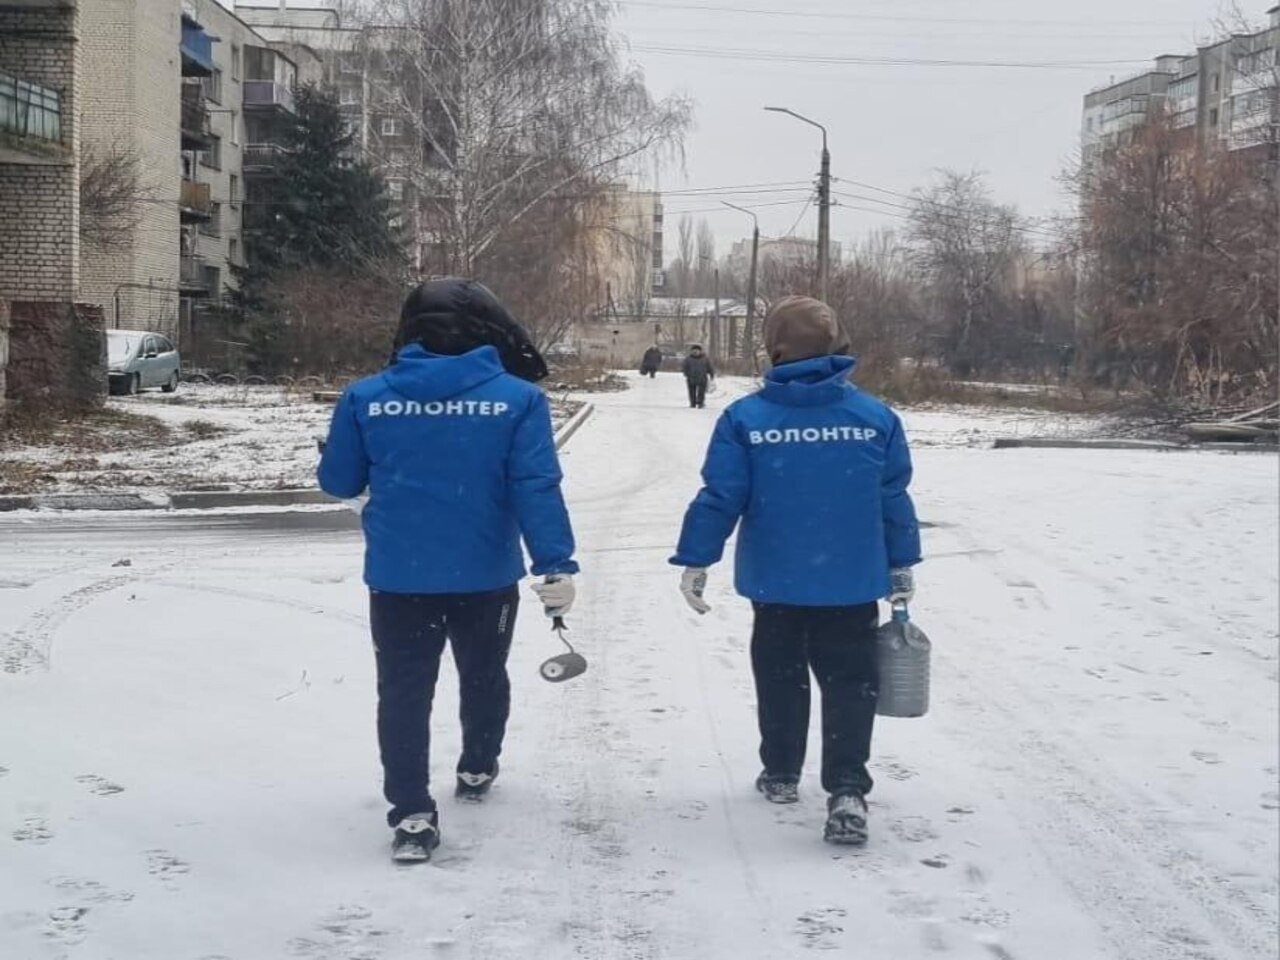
(187, 766)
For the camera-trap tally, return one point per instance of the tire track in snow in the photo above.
(29, 648)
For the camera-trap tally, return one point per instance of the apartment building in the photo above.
(631, 248)
(185, 88)
(1226, 95)
(783, 253)
(377, 96)
(41, 89)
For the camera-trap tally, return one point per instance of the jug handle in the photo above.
(900, 614)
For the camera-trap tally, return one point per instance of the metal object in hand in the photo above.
(566, 666)
(903, 651)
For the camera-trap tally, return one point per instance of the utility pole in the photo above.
(715, 320)
(749, 347)
(747, 338)
(824, 203)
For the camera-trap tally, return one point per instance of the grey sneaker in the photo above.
(846, 819)
(417, 835)
(475, 786)
(778, 789)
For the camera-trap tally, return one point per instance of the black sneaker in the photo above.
(475, 786)
(416, 836)
(846, 819)
(778, 789)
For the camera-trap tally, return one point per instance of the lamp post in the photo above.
(824, 202)
(747, 336)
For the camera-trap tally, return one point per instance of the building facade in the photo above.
(180, 88)
(41, 90)
(1226, 95)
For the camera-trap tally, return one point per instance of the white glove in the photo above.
(902, 585)
(693, 584)
(556, 593)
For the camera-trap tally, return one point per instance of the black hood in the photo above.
(452, 316)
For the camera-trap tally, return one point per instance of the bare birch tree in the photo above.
(510, 104)
(966, 245)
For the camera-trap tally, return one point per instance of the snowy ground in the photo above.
(218, 438)
(187, 766)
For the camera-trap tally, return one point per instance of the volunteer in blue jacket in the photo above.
(816, 473)
(455, 446)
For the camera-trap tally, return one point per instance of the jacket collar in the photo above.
(809, 383)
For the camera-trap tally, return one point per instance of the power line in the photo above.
(770, 56)
(883, 18)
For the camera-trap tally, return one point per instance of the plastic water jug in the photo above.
(903, 652)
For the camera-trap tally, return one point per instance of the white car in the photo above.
(137, 360)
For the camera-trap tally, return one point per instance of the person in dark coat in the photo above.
(652, 362)
(697, 372)
(454, 444)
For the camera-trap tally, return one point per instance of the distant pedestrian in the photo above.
(652, 362)
(697, 373)
(454, 444)
(815, 472)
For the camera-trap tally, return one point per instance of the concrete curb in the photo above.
(565, 433)
(1051, 443)
(247, 498)
(213, 499)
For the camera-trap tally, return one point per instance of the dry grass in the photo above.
(203, 429)
(103, 431)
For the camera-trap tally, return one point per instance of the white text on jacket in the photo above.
(812, 435)
(438, 408)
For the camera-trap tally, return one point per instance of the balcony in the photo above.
(267, 95)
(196, 132)
(192, 275)
(196, 48)
(259, 159)
(195, 202)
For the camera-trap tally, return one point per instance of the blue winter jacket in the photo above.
(817, 472)
(459, 459)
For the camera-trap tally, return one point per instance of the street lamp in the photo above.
(824, 202)
(747, 335)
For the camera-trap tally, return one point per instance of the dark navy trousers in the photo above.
(838, 644)
(409, 636)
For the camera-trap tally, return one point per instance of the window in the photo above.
(233, 189)
(390, 127)
(235, 128)
(164, 345)
(1217, 82)
(150, 347)
(395, 189)
(233, 251)
(212, 85)
(213, 228)
(349, 96)
(349, 63)
(212, 157)
(1213, 116)
(396, 158)
(235, 62)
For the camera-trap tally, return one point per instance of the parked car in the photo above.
(137, 360)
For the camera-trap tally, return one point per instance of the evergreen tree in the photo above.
(324, 212)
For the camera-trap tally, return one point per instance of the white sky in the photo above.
(891, 126)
